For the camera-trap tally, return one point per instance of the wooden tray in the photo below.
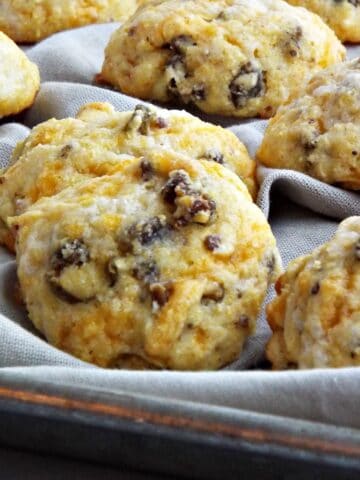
(185, 440)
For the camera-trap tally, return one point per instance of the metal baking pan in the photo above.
(182, 440)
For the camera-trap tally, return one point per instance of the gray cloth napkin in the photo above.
(303, 213)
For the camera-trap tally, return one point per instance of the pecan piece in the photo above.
(248, 83)
(179, 184)
(147, 170)
(202, 209)
(143, 119)
(147, 272)
(198, 93)
(214, 155)
(192, 205)
(115, 266)
(291, 44)
(71, 252)
(72, 276)
(65, 151)
(310, 136)
(194, 208)
(212, 242)
(161, 292)
(177, 70)
(147, 232)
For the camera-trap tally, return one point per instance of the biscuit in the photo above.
(343, 16)
(232, 57)
(19, 78)
(27, 21)
(167, 269)
(321, 129)
(316, 315)
(60, 153)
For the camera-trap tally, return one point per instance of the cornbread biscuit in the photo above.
(60, 153)
(19, 78)
(32, 20)
(232, 57)
(168, 268)
(343, 16)
(321, 129)
(316, 316)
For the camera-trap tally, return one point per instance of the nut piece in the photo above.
(147, 232)
(179, 184)
(198, 93)
(214, 155)
(177, 71)
(72, 276)
(143, 119)
(160, 293)
(248, 83)
(291, 45)
(212, 242)
(115, 267)
(192, 205)
(147, 170)
(71, 252)
(147, 272)
(200, 211)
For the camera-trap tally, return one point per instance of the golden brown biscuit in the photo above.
(316, 315)
(32, 20)
(19, 78)
(232, 57)
(60, 153)
(343, 16)
(321, 129)
(168, 269)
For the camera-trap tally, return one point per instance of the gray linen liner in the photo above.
(303, 213)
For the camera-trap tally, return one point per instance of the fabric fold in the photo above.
(302, 211)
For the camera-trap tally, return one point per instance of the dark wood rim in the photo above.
(256, 435)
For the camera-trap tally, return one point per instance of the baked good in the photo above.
(343, 16)
(321, 129)
(147, 126)
(32, 20)
(316, 315)
(232, 57)
(60, 153)
(168, 269)
(19, 78)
